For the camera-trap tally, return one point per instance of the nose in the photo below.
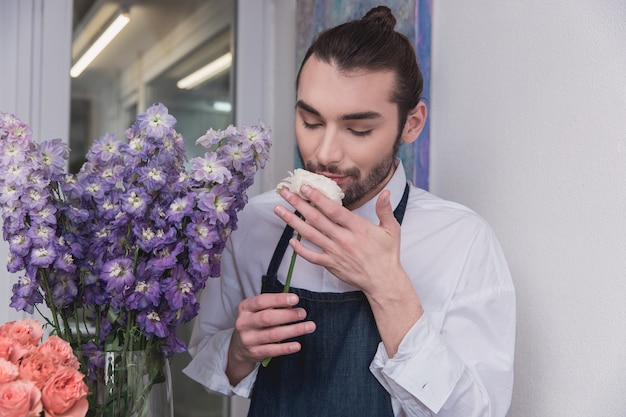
(329, 150)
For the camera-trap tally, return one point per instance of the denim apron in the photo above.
(330, 375)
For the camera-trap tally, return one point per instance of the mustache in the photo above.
(333, 169)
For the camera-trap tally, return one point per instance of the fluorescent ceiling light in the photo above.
(224, 106)
(204, 74)
(101, 43)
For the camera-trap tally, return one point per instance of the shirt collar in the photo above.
(396, 185)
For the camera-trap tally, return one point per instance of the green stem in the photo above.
(291, 265)
(287, 285)
(51, 306)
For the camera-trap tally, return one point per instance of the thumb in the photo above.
(384, 211)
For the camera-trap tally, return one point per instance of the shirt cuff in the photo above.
(423, 369)
(208, 367)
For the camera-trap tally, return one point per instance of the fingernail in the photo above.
(305, 189)
(292, 299)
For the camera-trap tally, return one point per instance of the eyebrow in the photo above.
(365, 115)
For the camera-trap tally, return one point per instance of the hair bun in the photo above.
(381, 15)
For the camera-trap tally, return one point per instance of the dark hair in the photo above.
(371, 43)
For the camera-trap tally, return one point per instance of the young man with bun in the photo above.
(401, 303)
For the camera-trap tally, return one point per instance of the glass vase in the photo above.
(127, 383)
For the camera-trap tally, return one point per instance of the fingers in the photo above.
(384, 211)
(265, 321)
(319, 209)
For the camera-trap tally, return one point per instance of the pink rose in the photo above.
(25, 332)
(6, 347)
(64, 394)
(8, 371)
(61, 350)
(20, 399)
(39, 368)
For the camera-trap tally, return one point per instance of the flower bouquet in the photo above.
(38, 377)
(119, 251)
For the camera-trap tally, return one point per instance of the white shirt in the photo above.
(457, 360)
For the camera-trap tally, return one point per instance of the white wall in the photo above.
(529, 129)
(35, 38)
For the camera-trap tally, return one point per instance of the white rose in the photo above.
(300, 177)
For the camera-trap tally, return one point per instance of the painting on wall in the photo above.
(413, 19)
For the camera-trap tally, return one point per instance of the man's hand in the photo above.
(261, 326)
(360, 253)
(355, 250)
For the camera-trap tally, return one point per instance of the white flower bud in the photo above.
(300, 177)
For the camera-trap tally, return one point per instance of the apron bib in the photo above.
(330, 375)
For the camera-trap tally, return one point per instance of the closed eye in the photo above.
(310, 125)
(360, 132)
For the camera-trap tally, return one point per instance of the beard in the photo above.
(362, 183)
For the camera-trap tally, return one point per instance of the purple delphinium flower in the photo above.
(156, 121)
(213, 137)
(152, 177)
(135, 202)
(54, 154)
(202, 232)
(150, 321)
(144, 294)
(165, 257)
(64, 289)
(118, 274)
(25, 295)
(180, 207)
(42, 256)
(216, 206)
(178, 289)
(20, 244)
(209, 169)
(134, 234)
(104, 149)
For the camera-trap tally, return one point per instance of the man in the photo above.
(401, 303)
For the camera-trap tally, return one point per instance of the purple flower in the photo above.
(133, 236)
(179, 208)
(20, 244)
(203, 233)
(118, 274)
(42, 256)
(144, 294)
(15, 263)
(25, 295)
(156, 121)
(178, 289)
(105, 149)
(152, 177)
(214, 137)
(165, 257)
(209, 169)
(41, 234)
(135, 202)
(64, 289)
(216, 205)
(150, 322)
(54, 154)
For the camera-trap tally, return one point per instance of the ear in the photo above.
(414, 123)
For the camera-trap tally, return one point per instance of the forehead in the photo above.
(326, 88)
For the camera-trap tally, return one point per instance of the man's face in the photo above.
(346, 127)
